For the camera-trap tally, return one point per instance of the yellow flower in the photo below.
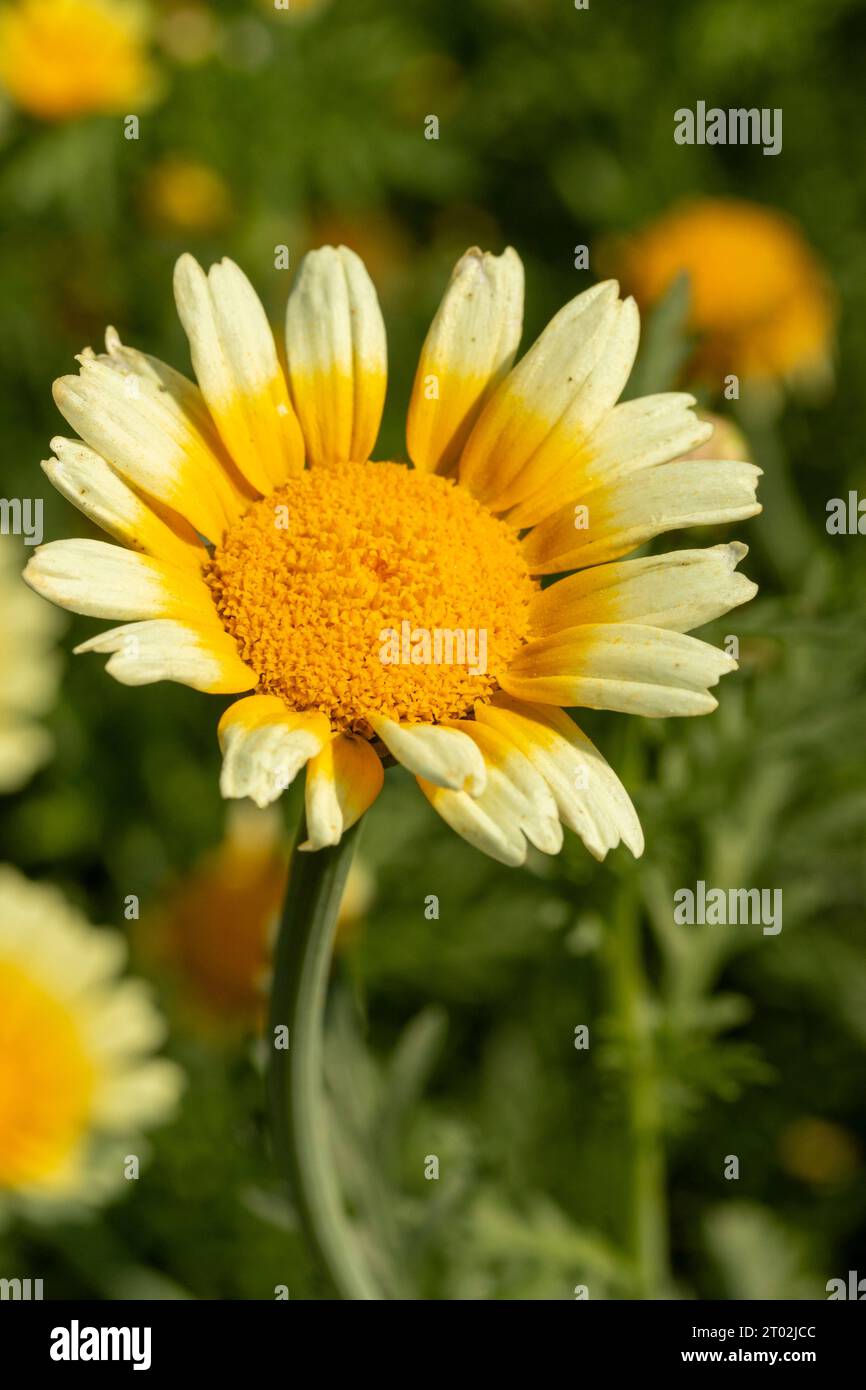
(29, 674)
(215, 929)
(77, 1081)
(187, 195)
(375, 609)
(65, 58)
(761, 304)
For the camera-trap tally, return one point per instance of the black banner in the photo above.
(82, 1339)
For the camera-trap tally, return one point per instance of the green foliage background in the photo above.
(455, 1037)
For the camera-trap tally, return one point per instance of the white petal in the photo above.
(445, 757)
(516, 804)
(608, 520)
(641, 433)
(265, 745)
(681, 590)
(86, 480)
(162, 649)
(235, 362)
(337, 356)
(619, 666)
(632, 436)
(485, 823)
(106, 581)
(343, 780)
(146, 438)
(520, 787)
(469, 348)
(589, 796)
(182, 394)
(543, 414)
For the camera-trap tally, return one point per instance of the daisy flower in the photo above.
(65, 58)
(29, 673)
(78, 1082)
(761, 303)
(262, 554)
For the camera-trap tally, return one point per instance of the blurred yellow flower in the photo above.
(66, 58)
(215, 929)
(761, 303)
(77, 1081)
(29, 672)
(187, 195)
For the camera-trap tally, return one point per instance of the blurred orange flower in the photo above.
(65, 58)
(215, 928)
(761, 303)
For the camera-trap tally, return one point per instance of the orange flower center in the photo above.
(367, 588)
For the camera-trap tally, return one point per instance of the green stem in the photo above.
(295, 1075)
(648, 1199)
(784, 529)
